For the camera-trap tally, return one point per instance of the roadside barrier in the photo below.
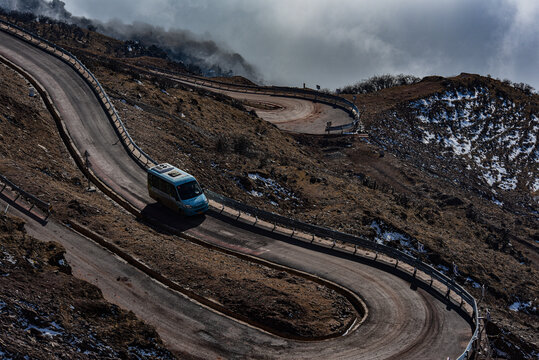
(73, 151)
(145, 161)
(358, 304)
(40, 204)
(362, 242)
(350, 126)
(354, 299)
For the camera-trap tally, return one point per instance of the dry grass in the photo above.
(344, 184)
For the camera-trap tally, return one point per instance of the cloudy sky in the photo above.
(335, 43)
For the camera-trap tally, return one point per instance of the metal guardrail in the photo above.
(259, 214)
(352, 126)
(141, 157)
(45, 206)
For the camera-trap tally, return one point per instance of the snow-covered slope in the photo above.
(478, 136)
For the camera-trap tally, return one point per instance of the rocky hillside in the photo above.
(476, 132)
(343, 183)
(47, 313)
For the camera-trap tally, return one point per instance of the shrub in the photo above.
(527, 89)
(379, 82)
(222, 144)
(242, 145)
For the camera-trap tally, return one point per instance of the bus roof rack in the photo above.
(162, 168)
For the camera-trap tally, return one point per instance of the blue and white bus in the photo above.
(176, 189)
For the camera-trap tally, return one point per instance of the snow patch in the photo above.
(144, 353)
(255, 193)
(443, 269)
(427, 137)
(522, 306)
(9, 258)
(383, 236)
(274, 186)
(497, 202)
(535, 185)
(47, 331)
(473, 124)
(460, 146)
(475, 284)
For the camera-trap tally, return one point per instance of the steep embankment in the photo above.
(340, 183)
(470, 146)
(388, 198)
(31, 145)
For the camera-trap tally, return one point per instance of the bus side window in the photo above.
(162, 185)
(172, 191)
(153, 180)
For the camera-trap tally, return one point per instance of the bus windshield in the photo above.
(189, 190)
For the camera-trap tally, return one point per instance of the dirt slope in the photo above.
(387, 292)
(45, 312)
(342, 183)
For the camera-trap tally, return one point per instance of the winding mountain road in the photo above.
(288, 113)
(403, 323)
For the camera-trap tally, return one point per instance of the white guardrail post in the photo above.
(146, 161)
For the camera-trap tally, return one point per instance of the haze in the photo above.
(338, 43)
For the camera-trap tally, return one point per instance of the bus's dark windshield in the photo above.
(189, 190)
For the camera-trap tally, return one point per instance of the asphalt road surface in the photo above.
(403, 322)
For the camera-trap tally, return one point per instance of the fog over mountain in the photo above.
(338, 43)
(180, 45)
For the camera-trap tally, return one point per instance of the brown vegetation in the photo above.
(345, 184)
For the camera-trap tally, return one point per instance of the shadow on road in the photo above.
(170, 218)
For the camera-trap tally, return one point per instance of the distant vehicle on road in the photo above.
(177, 190)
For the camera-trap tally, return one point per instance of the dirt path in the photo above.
(402, 322)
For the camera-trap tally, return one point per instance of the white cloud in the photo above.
(336, 43)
